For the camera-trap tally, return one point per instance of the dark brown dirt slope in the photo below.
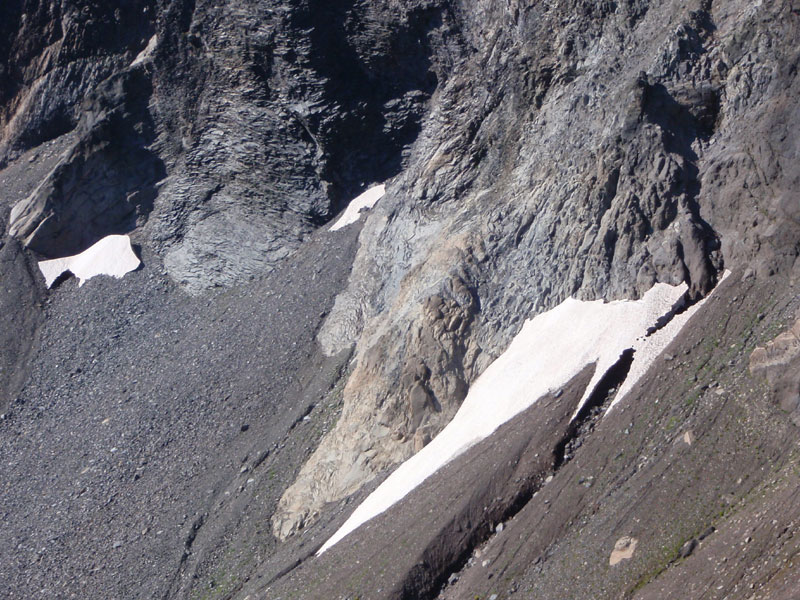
(699, 458)
(698, 465)
(413, 544)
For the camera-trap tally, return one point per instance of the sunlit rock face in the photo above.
(548, 352)
(600, 173)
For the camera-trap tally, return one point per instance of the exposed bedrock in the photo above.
(66, 67)
(233, 130)
(300, 107)
(104, 183)
(561, 161)
(53, 53)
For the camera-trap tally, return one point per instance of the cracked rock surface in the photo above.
(232, 130)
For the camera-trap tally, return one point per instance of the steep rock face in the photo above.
(233, 129)
(302, 104)
(587, 149)
(66, 65)
(52, 54)
(105, 182)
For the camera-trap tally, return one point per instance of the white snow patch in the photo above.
(545, 355)
(113, 255)
(353, 211)
(147, 53)
(648, 348)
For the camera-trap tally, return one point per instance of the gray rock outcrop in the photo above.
(600, 171)
(233, 130)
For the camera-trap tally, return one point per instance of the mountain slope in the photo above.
(200, 427)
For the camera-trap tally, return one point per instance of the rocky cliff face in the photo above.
(618, 174)
(232, 131)
(532, 152)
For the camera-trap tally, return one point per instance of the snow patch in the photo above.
(546, 354)
(147, 53)
(649, 347)
(365, 201)
(113, 255)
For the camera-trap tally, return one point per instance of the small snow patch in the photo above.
(365, 201)
(113, 256)
(147, 53)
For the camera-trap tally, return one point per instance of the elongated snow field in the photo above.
(550, 350)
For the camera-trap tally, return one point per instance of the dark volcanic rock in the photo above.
(105, 183)
(259, 120)
(53, 54)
